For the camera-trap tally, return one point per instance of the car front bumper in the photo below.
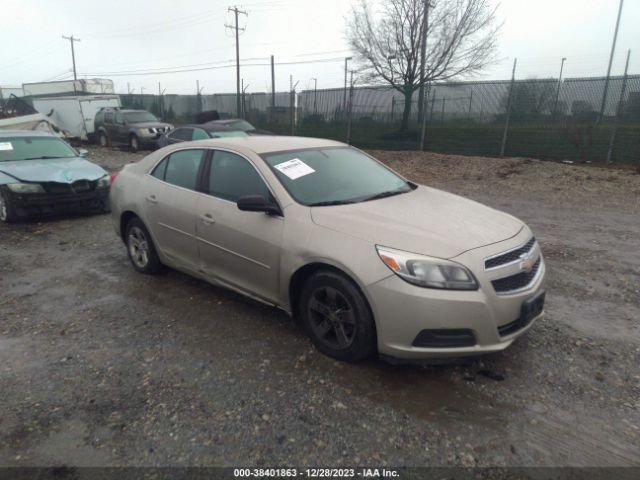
(53, 204)
(455, 323)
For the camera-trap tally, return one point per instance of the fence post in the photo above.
(423, 130)
(444, 99)
(508, 116)
(433, 104)
(623, 91)
(470, 102)
(393, 107)
(350, 110)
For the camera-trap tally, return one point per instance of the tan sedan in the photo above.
(369, 261)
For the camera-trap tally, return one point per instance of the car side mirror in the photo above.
(83, 152)
(257, 203)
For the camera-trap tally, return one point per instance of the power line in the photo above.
(184, 70)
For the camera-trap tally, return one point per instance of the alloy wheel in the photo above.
(332, 318)
(138, 247)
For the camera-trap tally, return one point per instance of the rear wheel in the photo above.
(336, 317)
(7, 209)
(140, 247)
(134, 143)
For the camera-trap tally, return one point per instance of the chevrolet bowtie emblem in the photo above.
(526, 263)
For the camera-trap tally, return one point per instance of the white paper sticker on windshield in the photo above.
(295, 168)
(6, 146)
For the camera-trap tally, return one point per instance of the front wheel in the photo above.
(140, 247)
(102, 138)
(336, 317)
(134, 143)
(7, 209)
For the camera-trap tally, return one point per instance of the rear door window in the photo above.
(183, 168)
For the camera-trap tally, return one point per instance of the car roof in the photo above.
(26, 133)
(269, 143)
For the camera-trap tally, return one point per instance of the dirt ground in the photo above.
(100, 365)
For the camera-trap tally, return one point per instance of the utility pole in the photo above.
(244, 105)
(292, 103)
(613, 49)
(273, 88)
(128, 89)
(350, 110)
(315, 95)
(344, 101)
(160, 101)
(237, 12)
(72, 40)
(508, 116)
(555, 104)
(619, 110)
(423, 58)
(198, 96)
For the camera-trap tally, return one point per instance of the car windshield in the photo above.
(220, 134)
(240, 125)
(33, 148)
(139, 117)
(334, 176)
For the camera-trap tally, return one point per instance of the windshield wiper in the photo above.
(331, 202)
(44, 157)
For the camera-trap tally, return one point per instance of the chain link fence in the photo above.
(542, 118)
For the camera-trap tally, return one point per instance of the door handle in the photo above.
(152, 199)
(207, 218)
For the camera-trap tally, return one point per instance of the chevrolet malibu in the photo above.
(367, 260)
(41, 174)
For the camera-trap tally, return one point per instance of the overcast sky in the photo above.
(121, 36)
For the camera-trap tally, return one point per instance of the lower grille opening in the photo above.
(443, 338)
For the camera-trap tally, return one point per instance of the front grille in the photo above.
(80, 186)
(509, 257)
(517, 281)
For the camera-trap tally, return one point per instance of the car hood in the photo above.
(149, 125)
(61, 170)
(425, 221)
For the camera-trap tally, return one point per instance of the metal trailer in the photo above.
(85, 86)
(75, 114)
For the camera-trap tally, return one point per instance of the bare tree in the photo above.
(461, 40)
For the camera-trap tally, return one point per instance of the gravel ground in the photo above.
(102, 366)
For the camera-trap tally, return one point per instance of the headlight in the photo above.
(104, 182)
(144, 131)
(25, 187)
(427, 271)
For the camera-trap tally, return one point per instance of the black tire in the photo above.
(7, 209)
(143, 258)
(103, 139)
(134, 143)
(336, 316)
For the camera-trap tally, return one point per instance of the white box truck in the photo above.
(75, 114)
